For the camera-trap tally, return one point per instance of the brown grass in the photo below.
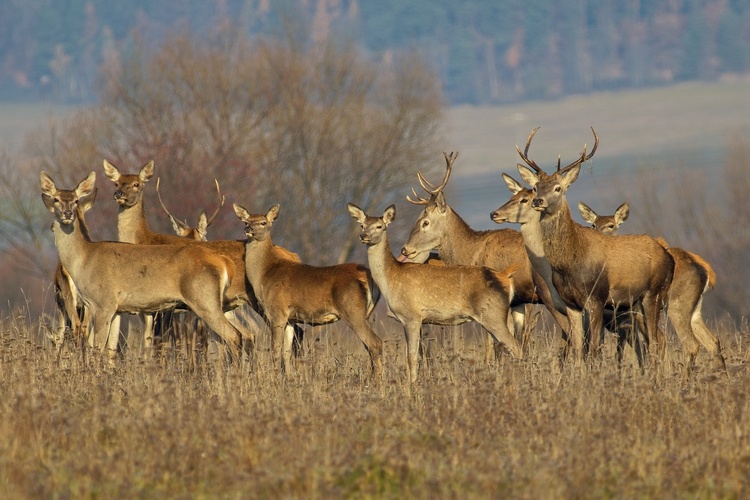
(522, 429)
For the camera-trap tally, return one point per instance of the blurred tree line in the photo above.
(484, 51)
(308, 123)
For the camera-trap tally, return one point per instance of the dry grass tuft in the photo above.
(521, 429)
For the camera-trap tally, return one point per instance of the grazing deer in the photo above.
(181, 228)
(113, 277)
(440, 228)
(132, 227)
(418, 294)
(292, 291)
(518, 209)
(590, 270)
(693, 276)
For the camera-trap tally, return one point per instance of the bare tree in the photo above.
(287, 120)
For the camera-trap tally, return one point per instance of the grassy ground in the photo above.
(523, 429)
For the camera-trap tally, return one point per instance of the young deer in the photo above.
(291, 291)
(418, 294)
(693, 276)
(440, 228)
(590, 270)
(114, 277)
(518, 209)
(132, 227)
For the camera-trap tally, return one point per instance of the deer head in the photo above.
(200, 231)
(549, 190)
(129, 187)
(605, 224)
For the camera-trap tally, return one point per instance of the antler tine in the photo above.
(524, 154)
(431, 188)
(222, 199)
(419, 200)
(558, 163)
(584, 157)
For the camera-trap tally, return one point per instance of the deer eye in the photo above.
(524, 200)
(558, 189)
(263, 224)
(425, 223)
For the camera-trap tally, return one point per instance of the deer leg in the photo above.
(299, 336)
(651, 312)
(707, 338)
(286, 349)
(500, 333)
(575, 337)
(595, 312)
(679, 315)
(413, 332)
(373, 344)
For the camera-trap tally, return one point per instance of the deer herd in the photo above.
(589, 279)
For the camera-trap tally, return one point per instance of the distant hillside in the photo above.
(484, 51)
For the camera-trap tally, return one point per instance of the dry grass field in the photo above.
(518, 429)
(161, 427)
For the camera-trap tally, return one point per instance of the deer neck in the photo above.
(460, 241)
(382, 263)
(73, 244)
(562, 243)
(258, 258)
(131, 224)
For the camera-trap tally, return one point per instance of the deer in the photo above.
(132, 227)
(518, 209)
(71, 314)
(115, 277)
(292, 291)
(182, 228)
(418, 294)
(589, 269)
(693, 277)
(440, 228)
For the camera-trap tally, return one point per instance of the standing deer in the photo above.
(519, 209)
(417, 294)
(292, 291)
(693, 276)
(132, 227)
(114, 277)
(590, 270)
(440, 228)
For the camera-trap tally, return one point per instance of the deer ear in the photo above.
(86, 186)
(179, 227)
(514, 186)
(622, 213)
(273, 212)
(202, 226)
(440, 202)
(147, 171)
(48, 185)
(86, 202)
(357, 213)
(586, 212)
(570, 176)
(241, 212)
(111, 171)
(527, 175)
(389, 215)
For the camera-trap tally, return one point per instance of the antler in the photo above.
(524, 155)
(222, 199)
(583, 157)
(428, 186)
(175, 221)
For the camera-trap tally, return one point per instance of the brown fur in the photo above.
(294, 292)
(692, 277)
(443, 295)
(115, 277)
